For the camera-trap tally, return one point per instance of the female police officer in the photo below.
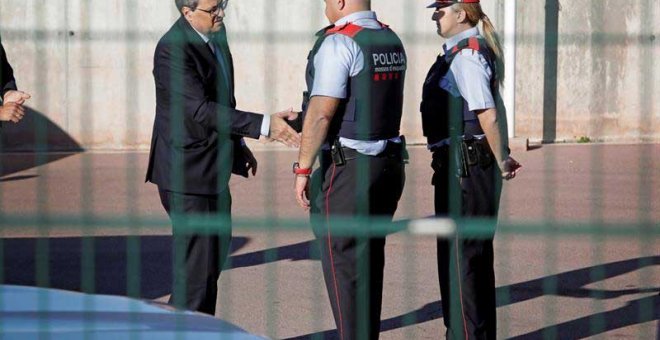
(466, 130)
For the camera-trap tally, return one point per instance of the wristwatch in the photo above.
(302, 172)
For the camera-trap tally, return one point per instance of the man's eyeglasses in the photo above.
(222, 5)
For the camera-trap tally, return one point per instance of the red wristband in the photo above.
(298, 171)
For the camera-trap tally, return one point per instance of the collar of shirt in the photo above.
(453, 41)
(354, 17)
(204, 37)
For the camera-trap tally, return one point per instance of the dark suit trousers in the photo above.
(198, 256)
(353, 267)
(465, 264)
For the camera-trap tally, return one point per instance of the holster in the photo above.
(475, 152)
(337, 153)
(472, 152)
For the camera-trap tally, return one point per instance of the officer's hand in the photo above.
(302, 191)
(288, 114)
(510, 168)
(12, 112)
(282, 132)
(18, 97)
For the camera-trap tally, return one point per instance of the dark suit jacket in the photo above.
(7, 81)
(197, 127)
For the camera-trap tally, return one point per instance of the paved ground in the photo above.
(570, 284)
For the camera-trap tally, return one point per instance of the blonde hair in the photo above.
(475, 14)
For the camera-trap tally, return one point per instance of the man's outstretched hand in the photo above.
(281, 131)
(18, 97)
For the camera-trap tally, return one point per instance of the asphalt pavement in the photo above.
(594, 271)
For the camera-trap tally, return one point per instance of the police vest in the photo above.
(438, 105)
(373, 106)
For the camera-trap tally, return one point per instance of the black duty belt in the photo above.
(473, 152)
(340, 155)
(391, 150)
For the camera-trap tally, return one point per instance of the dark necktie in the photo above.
(224, 65)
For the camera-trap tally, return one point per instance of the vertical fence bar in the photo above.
(2, 232)
(319, 309)
(409, 285)
(647, 164)
(81, 41)
(600, 42)
(131, 44)
(271, 38)
(179, 223)
(41, 139)
(509, 7)
(132, 82)
(549, 136)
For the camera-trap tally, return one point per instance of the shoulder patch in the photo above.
(471, 43)
(350, 30)
(475, 44)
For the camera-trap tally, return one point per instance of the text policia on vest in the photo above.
(389, 62)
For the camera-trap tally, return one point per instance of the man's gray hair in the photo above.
(186, 3)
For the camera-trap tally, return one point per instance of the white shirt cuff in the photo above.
(265, 126)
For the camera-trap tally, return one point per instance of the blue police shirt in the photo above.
(338, 59)
(469, 76)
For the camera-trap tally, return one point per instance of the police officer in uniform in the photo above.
(465, 123)
(355, 77)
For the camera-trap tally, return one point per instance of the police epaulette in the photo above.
(350, 30)
(473, 43)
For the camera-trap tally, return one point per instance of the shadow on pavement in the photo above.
(294, 252)
(38, 136)
(17, 178)
(634, 312)
(110, 263)
(568, 284)
(108, 273)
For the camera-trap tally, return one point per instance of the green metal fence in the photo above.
(578, 238)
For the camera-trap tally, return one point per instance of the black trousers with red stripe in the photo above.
(353, 266)
(465, 264)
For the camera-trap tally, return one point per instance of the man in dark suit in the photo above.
(197, 140)
(12, 99)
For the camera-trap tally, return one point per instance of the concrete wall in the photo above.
(88, 64)
(588, 68)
